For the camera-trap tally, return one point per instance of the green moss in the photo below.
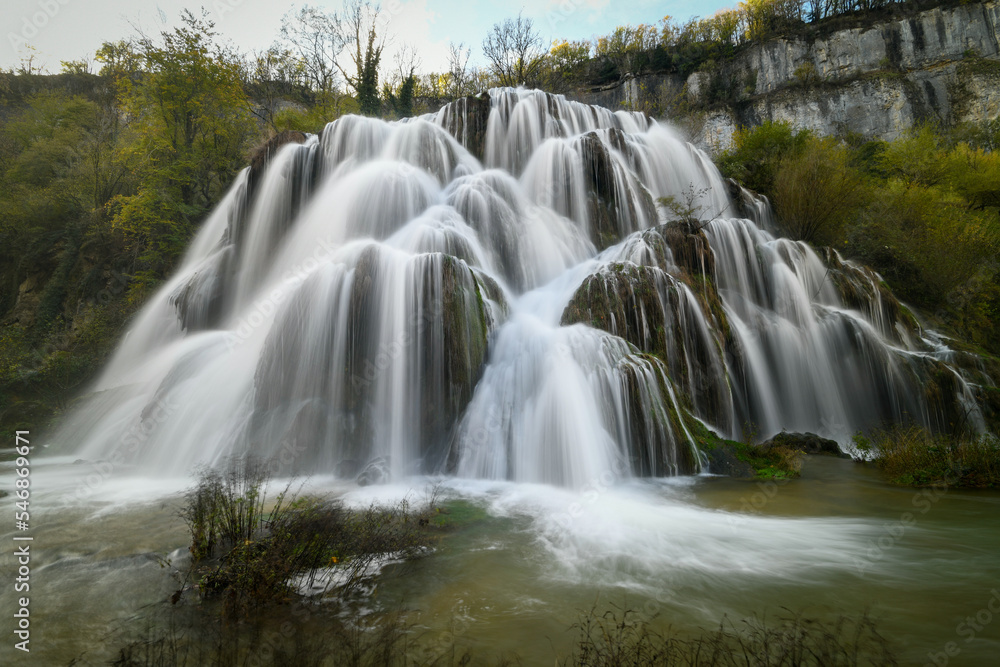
(978, 66)
(770, 463)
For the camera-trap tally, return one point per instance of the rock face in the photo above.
(466, 119)
(876, 80)
(263, 154)
(646, 93)
(612, 215)
(807, 443)
(658, 301)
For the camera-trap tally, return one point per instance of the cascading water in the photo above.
(493, 291)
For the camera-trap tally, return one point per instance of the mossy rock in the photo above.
(450, 381)
(806, 443)
(744, 460)
(648, 306)
(466, 119)
(659, 448)
(861, 288)
(626, 300)
(609, 214)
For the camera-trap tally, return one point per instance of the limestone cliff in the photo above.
(877, 79)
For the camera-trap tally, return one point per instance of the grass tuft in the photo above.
(912, 456)
(619, 638)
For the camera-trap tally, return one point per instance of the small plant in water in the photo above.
(248, 552)
(688, 209)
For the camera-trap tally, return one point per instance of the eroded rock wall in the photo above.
(877, 80)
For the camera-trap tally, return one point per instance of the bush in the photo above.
(261, 552)
(922, 211)
(818, 192)
(757, 153)
(912, 456)
(315, 637)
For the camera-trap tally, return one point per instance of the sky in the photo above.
(61, 30)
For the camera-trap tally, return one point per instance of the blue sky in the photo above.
(72, 29)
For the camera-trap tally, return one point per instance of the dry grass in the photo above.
(619, 639)
(377, 641)
(247, 552)
(912, 456)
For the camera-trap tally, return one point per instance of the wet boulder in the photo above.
(200, 302)
(262, 155)
(466, 119)
(722, 460)
(617, 204)
(658, 447)
(376, 472)
(807, 443)
(628, 301)
(663, 317)
(862, 289)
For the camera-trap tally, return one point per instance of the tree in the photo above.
(119, 61)
(81, 66)
(272, 75)
(458, 69)
(59, 165)
(360, 25)
(626, 46)
(514, 50)
(403, 81)
(190, 125)
(405, 62)
(568, 61)
(818, 192)
(316, 38)
(757, 153)
(404, 104)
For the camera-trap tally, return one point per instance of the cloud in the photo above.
(410, 24)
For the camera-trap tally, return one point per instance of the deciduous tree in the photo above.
(514, 50)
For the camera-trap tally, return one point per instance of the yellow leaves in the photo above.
(567, 54)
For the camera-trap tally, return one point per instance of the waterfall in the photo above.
(493, 291)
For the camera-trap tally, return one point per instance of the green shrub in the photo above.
(757, 153)
(912, 456)
(818, 192)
